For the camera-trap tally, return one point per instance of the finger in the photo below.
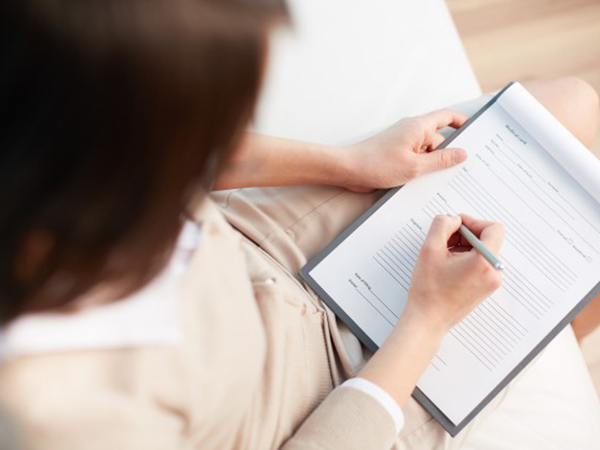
(455, 240)
(441, 159)
(442, 228)
(461, 249)
(445, 118)
(493, 237)
(476, 225)
(436, 141)
(491, 234)
(458, 240)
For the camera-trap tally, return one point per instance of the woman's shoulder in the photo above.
(90, 399)
(186, 343)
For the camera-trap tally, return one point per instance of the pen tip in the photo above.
(499, 266)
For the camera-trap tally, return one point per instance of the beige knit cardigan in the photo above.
(256, 370)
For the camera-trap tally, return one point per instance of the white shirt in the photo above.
(149, 317)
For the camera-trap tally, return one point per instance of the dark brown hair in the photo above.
(112, 114)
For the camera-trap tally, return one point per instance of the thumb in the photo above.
(442, 228)
(442, 159)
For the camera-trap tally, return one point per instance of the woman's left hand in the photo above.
(403, 152)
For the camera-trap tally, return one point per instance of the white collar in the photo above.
(149, 317)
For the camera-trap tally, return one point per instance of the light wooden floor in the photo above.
(519, 40)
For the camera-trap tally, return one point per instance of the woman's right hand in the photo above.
(451, 277)
(449, 280)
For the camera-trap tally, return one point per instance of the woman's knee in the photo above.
(581, 101)
(573, 101)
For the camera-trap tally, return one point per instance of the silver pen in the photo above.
(481, 248)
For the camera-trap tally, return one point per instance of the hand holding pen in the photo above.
(452, 275)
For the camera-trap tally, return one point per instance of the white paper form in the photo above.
(551, 250)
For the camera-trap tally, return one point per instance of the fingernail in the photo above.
(459, 155)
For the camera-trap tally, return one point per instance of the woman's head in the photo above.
(112, 113)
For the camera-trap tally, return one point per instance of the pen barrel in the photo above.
(481, 248)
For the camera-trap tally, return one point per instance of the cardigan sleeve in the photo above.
(348, 419)
(386, 400)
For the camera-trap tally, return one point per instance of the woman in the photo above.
(118, 117)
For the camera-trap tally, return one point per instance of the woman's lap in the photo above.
(292, 224)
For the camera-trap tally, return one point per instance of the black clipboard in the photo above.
(452, 428)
